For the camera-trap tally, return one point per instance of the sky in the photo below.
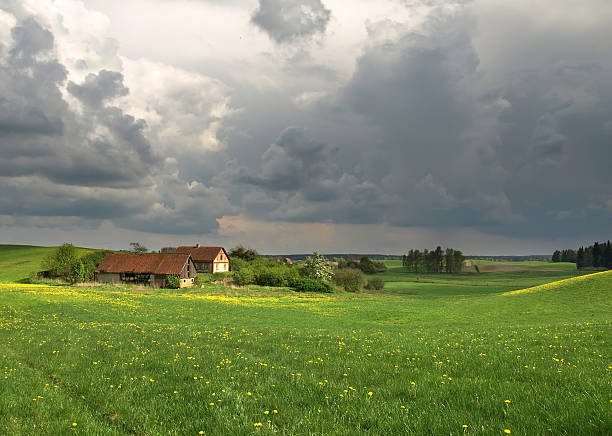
(362, 126)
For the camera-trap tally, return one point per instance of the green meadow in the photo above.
(427, 355)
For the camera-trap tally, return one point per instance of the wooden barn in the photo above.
(146, 269)
(207, 259)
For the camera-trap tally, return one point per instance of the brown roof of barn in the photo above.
(163, 263)
(201, 254)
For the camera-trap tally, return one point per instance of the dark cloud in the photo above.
(290, 20)
(99, 87)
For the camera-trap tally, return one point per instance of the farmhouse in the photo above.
(207, 259)
(146, 269)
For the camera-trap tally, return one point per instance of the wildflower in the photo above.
(507, 401)
(507, 431)
(201, 432)
(370, 394)
(464, 426)
(267, 412)
(275, 411)
(74, 424)
(249, 394)
(257, 424)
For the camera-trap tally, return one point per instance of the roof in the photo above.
(163, 263)
(201, 254)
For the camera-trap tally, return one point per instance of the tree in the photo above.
(90, 263)
(168, 250)
(173, 281)
(317, 267)
(556, 257)
(58, 263)
(77, 271)
(240, 252)
(138, 248)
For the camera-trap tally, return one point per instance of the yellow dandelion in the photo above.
(370, 394)
(201, 432)
(507, 401)
(507, 431)
(267, 412)
(464, 426)
(74, 424)
(275, 411)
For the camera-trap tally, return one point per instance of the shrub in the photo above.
(202, 278)
(173, 281)
(237, 264)
(271, 277)
(245, 276)
(90, 263)
(221, 276)
(310, 285)
(77, 272)
(370, 266)
(350, 279)
(375, 283)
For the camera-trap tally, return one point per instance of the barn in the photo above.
(146, 269)
(207, 259)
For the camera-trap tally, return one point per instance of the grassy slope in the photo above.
(151, 364)
(17, 262)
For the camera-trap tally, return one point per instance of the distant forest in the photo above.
(434, 261)
(598, 255)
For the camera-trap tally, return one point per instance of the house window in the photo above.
(206, 267)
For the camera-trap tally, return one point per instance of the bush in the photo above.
(375, 283)
(370, 266)
(202, 278)
(350, 279)
(310, 285)
(221, 276)
(245, 276)
(173, 281)
(90, 263)
(271, 277)
(237, 264)
(77, 272)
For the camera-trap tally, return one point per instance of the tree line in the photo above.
(598, 255)
(434, 261)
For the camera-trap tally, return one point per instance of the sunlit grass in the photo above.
(117, 361)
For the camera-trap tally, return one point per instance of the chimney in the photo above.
(197, 246)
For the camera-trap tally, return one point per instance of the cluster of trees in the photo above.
(365, 264)
(66, 264)
(564, 256)
(598, 255)
(434, 261)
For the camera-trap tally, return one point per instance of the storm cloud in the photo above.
(291, 20)
(468, 117)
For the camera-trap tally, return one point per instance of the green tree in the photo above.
(58, 263)
(248, 254)
(138, 248)
(173, 281)
(77, 271)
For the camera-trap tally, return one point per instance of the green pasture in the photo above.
(399, 281)
(108, 361)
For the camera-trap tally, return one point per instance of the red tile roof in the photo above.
(201, 254)
(164, 263)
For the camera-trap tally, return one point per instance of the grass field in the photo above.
(116, 361)
(399, 281)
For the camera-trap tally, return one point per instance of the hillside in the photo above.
(110, 362)
(18, 262)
